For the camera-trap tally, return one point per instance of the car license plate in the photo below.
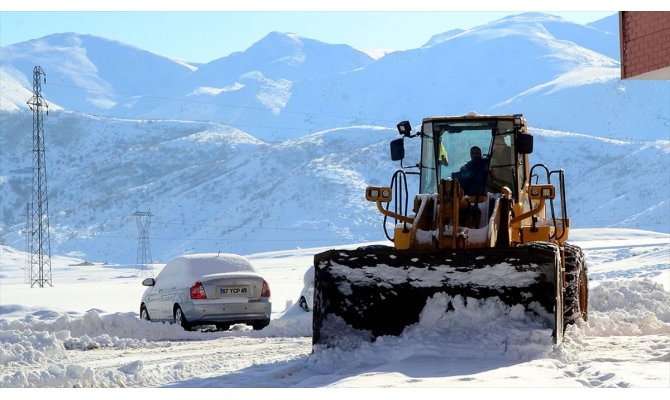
(234, 290)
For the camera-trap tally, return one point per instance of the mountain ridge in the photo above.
(214, 187)
(286, 86)
(276, 152)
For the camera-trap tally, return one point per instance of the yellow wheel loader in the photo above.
(484, 224)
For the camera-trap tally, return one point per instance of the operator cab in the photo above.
(450, 146)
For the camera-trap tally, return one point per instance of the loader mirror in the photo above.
(524, 143)
(404, 128)
(397, 149)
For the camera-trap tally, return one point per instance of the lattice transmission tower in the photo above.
(143, 249)
(40, 245)
(29, 237)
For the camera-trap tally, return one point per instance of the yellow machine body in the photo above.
(479, 205)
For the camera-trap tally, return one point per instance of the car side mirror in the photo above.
(397, 149)
(524, 143)
(149, 282)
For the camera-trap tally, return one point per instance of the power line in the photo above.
(210, 239)
(260, 228)
(227, 123)
(233, 106)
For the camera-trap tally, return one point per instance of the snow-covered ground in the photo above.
(85, 332)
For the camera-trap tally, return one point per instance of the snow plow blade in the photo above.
(377, 291)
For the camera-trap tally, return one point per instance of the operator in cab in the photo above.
(473, 174)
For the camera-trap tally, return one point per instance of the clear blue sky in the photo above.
(202, 36)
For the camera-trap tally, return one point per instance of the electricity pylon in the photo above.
(40, 246)
(143, 249)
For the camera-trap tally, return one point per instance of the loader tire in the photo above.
(577, 285)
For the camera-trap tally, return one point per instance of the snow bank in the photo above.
(42, 338)
(50, 333)
(46, 348)
(628, 308)
(500, 332)
(293, 322)
(509, 331)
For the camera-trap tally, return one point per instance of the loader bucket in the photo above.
(376, 291)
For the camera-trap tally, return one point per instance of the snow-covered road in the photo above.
(72, 335)
(156, 363)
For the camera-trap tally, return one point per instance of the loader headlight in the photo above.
(375, 194)
(404, 128)
(542, 192)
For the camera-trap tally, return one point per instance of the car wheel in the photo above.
(258, 325)
(222, 327)
(144, 314)
(303, 303)
(180, 319)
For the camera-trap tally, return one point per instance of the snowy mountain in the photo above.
(239, 187)
(208, 185)
(213, 187)
(610, 25)
(100, 76)
(526, 62)
(250, 87)
(87, 73)
(285, 86)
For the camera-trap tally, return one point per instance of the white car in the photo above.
(208, 289)
(306, 300)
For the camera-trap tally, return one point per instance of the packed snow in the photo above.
(498, 275)
(85, 332)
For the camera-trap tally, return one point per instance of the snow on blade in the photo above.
(503, 274)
